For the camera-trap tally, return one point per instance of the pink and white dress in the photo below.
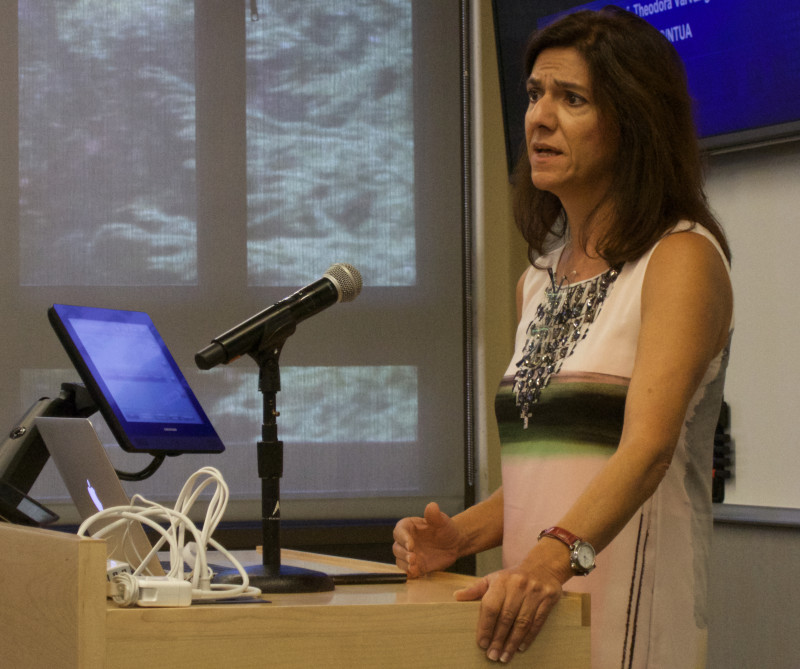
(568, 379)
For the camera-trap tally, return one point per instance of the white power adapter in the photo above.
(163, 591)
(126, 589)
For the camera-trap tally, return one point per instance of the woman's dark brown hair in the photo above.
(639, 84)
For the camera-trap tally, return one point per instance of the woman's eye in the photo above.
(574, 99)
(533, 95)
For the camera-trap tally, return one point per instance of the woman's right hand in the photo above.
(424, 545)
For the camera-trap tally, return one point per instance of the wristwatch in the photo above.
(582, 553)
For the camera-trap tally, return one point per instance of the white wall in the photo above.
(756, 194)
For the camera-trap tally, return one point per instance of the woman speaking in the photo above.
(608, 409)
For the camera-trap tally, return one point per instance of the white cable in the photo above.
(172, 526)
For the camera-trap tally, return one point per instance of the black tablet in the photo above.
(17, 507)
(134, 380)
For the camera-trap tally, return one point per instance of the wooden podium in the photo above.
(54, 613)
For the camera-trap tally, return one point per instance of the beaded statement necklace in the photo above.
(561, 321)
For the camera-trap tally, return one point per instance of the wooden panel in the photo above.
(417, 624)
(346, 634)
(53, 588)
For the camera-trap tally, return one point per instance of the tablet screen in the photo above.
(134, 380)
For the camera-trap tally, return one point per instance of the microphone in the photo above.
(340, 283)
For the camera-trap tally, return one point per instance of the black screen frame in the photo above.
(153, 437)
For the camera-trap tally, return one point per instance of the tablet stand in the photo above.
(270, 576)
(23, 454)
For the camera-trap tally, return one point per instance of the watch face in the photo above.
(584, 556)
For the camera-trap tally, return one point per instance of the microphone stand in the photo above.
(271, 576)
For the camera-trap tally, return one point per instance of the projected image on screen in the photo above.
(346, 430)
(107, 143)
(202, 165)
(378, 403)
(330, 141)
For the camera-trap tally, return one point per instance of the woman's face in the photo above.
(571, 149)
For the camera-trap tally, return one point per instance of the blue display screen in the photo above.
(134, 380)
(136, 372)
(742, 61)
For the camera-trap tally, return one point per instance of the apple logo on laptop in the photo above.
(93, 495)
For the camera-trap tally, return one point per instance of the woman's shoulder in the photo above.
(687, 250)
(691, 260)
(688, 235)
(688, 281)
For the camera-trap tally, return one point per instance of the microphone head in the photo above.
(347, 280)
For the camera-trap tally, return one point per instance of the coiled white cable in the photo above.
(173, 535)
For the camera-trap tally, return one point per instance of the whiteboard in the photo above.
(756, 195)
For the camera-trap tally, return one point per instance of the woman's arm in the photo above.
(434, 542)
(687, 305)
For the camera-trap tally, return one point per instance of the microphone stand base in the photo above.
(290, 579)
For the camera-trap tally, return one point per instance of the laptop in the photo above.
(94, 485)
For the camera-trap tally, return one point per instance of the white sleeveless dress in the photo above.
(577, 346)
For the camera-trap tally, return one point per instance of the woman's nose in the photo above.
(542, 112)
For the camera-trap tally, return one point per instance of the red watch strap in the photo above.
(561, 534)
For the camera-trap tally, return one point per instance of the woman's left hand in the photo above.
(515, 604)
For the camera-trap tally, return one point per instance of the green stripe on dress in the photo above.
(573, 418)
